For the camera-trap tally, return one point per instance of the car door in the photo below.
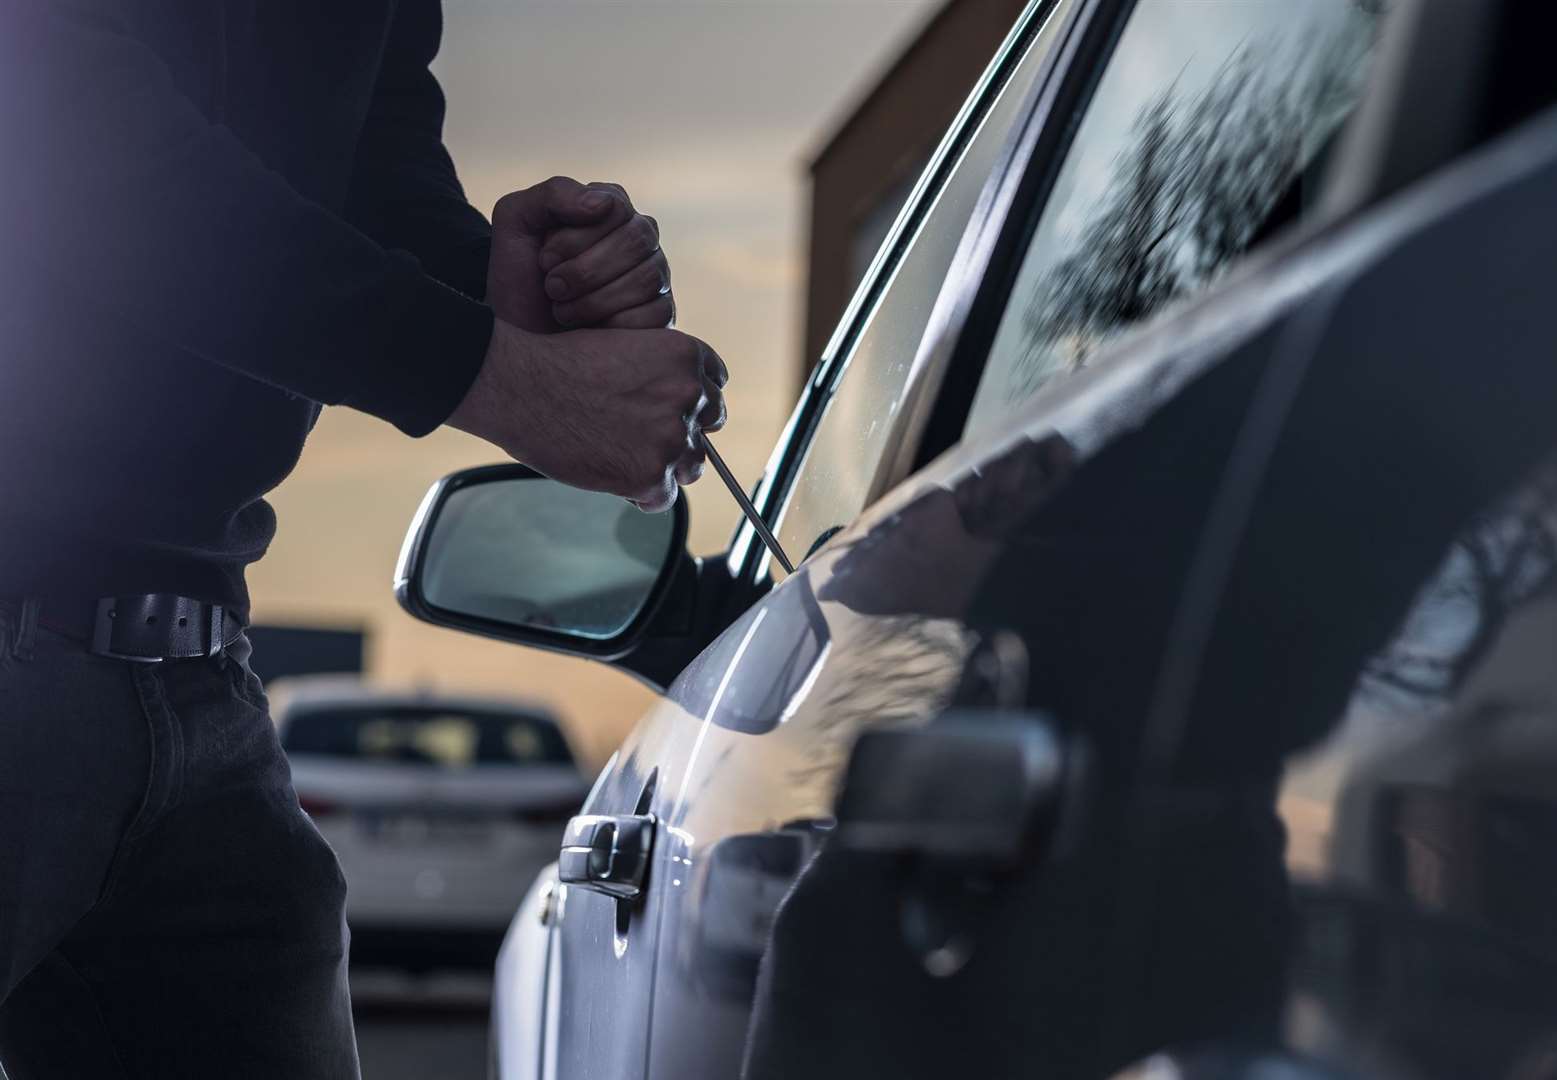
(1365, 645)
(872, 629)
(605, 950)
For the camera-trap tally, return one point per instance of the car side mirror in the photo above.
(505, 552)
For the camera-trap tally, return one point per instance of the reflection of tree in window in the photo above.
(1201, 177)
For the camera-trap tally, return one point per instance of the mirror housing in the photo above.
(425, 561)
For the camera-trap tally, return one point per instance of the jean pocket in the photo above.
(245, 683)
(250, 688)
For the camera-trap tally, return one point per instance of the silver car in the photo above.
(441, 811)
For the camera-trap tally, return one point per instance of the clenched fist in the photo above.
(567, 255)
(620, 411)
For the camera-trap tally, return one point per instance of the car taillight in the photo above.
(316, 807)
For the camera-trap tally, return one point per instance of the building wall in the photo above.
(863, 173)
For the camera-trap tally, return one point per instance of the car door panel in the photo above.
(877, 629)
(1171, 922)
(872, 631)
(751, 739)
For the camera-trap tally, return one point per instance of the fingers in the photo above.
(609, 272)
(569, 242)
(632, 244)
(671, 393)
(645, 284)
(712, 415)
(657, 314)
(561, 203)
(709, 418)
(659, 500)
(690, 466)
(705, 413)
(714, 367)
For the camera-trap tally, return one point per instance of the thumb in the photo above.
(551, 204)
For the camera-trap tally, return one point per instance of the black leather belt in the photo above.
(147, 629)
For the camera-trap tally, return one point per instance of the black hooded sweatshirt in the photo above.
(215, 216)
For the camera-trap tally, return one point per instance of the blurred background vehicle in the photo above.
(440, 809)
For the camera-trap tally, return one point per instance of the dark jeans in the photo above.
(166, 910)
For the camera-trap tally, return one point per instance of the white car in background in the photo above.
(441, 810)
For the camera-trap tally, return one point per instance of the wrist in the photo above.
(487, 409)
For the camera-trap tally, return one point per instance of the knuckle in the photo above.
(643, 241)
(620, 204)
(581, 276)
(650, 279)
(506, 208)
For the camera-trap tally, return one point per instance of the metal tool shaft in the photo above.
(746, 507)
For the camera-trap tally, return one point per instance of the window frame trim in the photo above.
(994, 242)
(747, 557)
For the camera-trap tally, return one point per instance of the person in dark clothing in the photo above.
(217, 216)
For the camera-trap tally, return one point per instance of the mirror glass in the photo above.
(533, 553)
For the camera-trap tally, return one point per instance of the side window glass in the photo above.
(834, 478)
(1207, 130)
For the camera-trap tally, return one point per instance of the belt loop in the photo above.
(216, 644)
(26, 630)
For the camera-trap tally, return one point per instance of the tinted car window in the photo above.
(434, 737)
(834, 479)
(1207, 130)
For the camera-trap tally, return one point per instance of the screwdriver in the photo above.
(746, 507)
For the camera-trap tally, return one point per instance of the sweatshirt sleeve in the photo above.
(120, 190)
(405, 192)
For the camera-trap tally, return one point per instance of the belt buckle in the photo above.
(103, 627)
(114, 616)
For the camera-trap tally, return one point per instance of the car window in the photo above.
(434, 737)
(1207, 130)
(834, 477)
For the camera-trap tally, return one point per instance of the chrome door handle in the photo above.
(607, 853)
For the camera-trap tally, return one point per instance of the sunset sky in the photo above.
(707, 112)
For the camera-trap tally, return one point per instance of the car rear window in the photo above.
(439, 738)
